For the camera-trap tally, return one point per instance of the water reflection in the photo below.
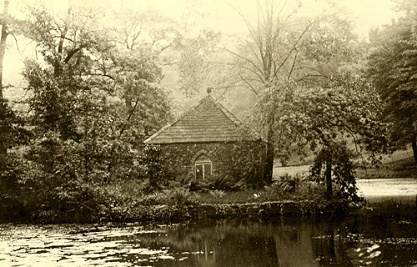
(353, 241)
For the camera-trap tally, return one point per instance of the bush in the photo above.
(153, 160)
(11, 202)
(288, 183)
(155, 198)
(181, 197)
(296, 187)
(178, 196)
(74, 202)
(218, 182)
(217, 193)
(199, 186)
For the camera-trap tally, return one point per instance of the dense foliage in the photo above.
(93, 93)
(91, 102)
(337, 121)
(391, 68)
(310, 94)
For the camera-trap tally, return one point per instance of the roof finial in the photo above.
(208, 90)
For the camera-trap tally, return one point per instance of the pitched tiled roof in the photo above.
(209, 121)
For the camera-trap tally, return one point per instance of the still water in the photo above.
(349, 241)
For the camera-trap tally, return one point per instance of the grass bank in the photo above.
(205, 211)
(400, 164)
(131, 201)
(397, 210)
(396, 166)
(178, 203)
(404, 200)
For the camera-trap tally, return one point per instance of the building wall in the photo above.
(237, 160)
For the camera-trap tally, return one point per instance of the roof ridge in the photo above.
(236, 120)
(228, 114)
(213, 104)
(191, 109)
(177, 120)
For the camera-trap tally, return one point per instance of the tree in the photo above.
(11, 128)
(199, 64)
(3, 39)
(285, 50)
(267, 56)
(296, 67)
(6, 114)
(392, 67)
(337, 121)
(92, 101)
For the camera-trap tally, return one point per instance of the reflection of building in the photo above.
(294, 245)
(228, 244)
(207, 256)
(247, 250)
(237, 250)
(208, 140)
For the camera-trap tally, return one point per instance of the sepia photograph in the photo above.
(223, 133)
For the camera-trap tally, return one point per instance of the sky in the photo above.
(370, 14)
(222, 15)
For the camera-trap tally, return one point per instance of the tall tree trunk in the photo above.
(270, 153)
(269, 163)
(329, 185)
(3, 40)
(414, 146)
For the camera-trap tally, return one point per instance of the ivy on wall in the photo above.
(242, 160)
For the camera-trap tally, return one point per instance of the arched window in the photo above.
(203, 167)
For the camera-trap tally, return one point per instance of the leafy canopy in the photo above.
(392, 67)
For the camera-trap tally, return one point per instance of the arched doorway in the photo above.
(203, 167)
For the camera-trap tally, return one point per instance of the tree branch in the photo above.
(72, 53)
(294, 47)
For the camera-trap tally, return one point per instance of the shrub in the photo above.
(12, 200)
(288, 183)
(155, 198)
(181, 196)
(199, 186)
(74, 202)
(218, 182)
(178, 196)
(296, 187)
(217, 193)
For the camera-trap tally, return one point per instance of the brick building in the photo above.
(209, 141)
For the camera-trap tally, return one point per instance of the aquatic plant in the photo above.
(217, 193)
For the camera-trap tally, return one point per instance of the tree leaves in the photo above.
(92, 99)
(344, 114)
(392, 67)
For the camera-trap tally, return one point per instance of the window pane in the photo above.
(198, 171)
(207, 170)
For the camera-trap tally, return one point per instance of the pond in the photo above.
(349, 241)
